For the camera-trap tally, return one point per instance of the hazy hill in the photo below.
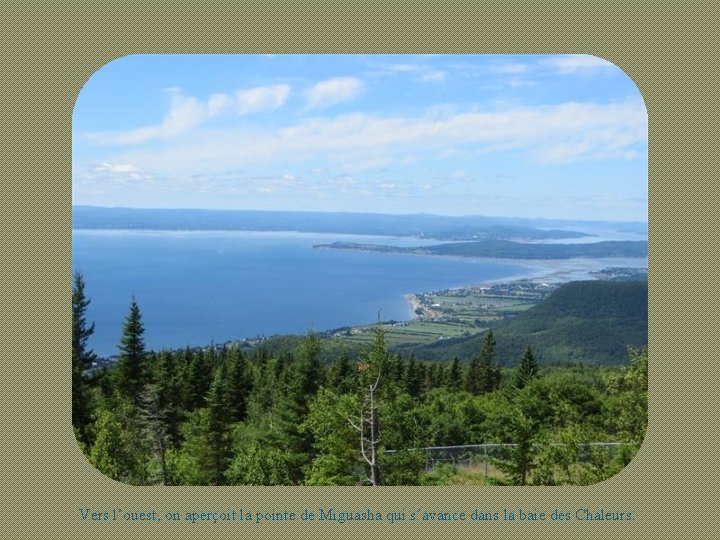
(506, 249)
(417, 225)
(582, 321)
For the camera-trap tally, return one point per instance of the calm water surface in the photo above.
(198, 287)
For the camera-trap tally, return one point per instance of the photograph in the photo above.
(360, 270)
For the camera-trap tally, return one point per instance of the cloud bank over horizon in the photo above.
(554, 136)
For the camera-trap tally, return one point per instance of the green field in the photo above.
(453, 313)
(414, 332)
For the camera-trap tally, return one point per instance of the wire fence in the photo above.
(485, 455)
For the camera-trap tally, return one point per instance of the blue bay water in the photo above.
(194, 288)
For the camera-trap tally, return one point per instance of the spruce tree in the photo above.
(238, 385)
(198, 381)
(414, 376)
(131, 370)
(396, 370)
(169, 396)
(305, 378)
(527, 369)
(454, 381)
(82, 358)
(217, 433)
(483, 375)
(81, 330)
(489, 371)
(472, 376)
(340, 375)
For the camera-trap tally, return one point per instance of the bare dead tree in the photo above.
(153, 416)
(367, 423)
(368, 427)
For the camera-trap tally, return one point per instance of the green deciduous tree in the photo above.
(336, 461)
(628, 399)
(120, 451)
(258, 465)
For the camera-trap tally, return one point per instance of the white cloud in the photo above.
(217, 103)
(510, 69)
(550, 133)
(573, 63)
(118, 172)
(187, 113)
(434, 76)
(520, 83)
(263, 98)
(404, 68)
(341, 181)
(332, 91)
(419, 71)
(117, 168)
(111, 174)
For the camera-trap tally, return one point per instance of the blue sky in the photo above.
(556, 136)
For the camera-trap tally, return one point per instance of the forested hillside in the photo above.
(507, 249)
(219, 415)
(581, 321)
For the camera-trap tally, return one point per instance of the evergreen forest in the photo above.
(223, 415)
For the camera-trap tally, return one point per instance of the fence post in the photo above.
(486, 458)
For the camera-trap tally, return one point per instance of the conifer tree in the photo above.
(309, 375)
(527, 369)
(81, 330)
(414, 377)
(306, 377)
(169, 398)
(472, 376)
(520, 460)
(238, 386)
(454, 381)
(82, 358)
(131, 370)
(217, 434)
(396, 370)
(198, 380)
(488, 370)
(340, 375)
(483, 375)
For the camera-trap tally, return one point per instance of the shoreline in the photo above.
(550, 271)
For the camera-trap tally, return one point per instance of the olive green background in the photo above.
(48, 52)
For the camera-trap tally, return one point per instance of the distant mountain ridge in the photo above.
(415, 225)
